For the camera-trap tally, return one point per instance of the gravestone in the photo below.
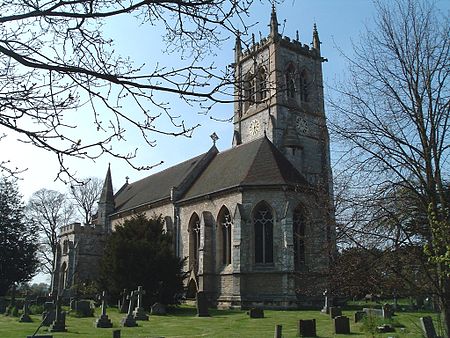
(59, 324)
(123, 302)
(326, 306)
(139, 312)
(84, 308)
(48, 315)
(373, 312)
(103, 321)
(202, 304)
(335, 311)
(341, 325)
(25, 318)
(278, 331)
(385, 328)
(306, 328)
(41, 336)
(256, 313)
(428, 327)
(359, 315)
(2, 305)
(128, 320)
(388, 311)
(158, 309)
(116, 334)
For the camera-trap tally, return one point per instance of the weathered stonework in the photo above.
(255, 222)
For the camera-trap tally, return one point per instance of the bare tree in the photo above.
(49, 210)
(86, 196)
(393, 118)
(55, 58)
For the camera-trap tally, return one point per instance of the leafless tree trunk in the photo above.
(86, 196)
(393, 118)
(55, 58)
(49, 210)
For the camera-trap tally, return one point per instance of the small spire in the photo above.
(273, 22)
(126, 179)
(253, 40)
(297, 36)
(107, 191)
(316, 41)
(238, 45)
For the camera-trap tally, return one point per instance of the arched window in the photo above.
(304, 95)
(262, 84)
(290, 81)
(65, 250)
(263, 223)
(299, 238)
(63, 276)
(224, 235)
(249, 90)
(194, 240)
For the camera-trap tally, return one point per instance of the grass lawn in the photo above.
(182, 322)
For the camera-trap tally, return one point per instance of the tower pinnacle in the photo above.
(316, 41)
(273, 22)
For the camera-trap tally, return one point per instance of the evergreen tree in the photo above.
(140, 252)
(18, 245)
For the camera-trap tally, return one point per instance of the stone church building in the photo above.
(256, 221)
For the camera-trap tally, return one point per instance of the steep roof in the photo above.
(156, 187)
(251, 164)
(255, 163)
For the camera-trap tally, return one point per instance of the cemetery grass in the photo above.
(182, 322)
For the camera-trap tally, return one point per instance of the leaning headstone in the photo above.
(256, 313)
(335, 311)
(139, 312)
(306, 328)
(59, 324)
(128, 320)
(48, 315)
(278, 331)
(359, 315)
(84, 308)
(103, 321)
(25, 318)
(158, 309)
(202, 304)
(123, 302)
(428, 327)
(341, 325)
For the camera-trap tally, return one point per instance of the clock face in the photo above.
(254, 127)
(301, 125)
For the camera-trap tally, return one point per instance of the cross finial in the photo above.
(214, 137)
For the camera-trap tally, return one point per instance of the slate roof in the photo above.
(251, 164)
(254, 163)
(155, 187)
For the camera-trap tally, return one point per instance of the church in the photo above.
(256, 221)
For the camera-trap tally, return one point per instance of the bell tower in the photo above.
(279, 94)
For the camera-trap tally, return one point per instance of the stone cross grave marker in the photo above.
(59, 324)
(25, 318)
(123, 302)
(139, 312)
(103, 321)
(326, 306)
(128, 320)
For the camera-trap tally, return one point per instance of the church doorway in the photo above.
(191, 291)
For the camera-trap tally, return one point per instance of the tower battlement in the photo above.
(78, 228)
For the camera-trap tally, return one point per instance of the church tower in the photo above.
(279, 93)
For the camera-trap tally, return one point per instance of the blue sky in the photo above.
(338, 23)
